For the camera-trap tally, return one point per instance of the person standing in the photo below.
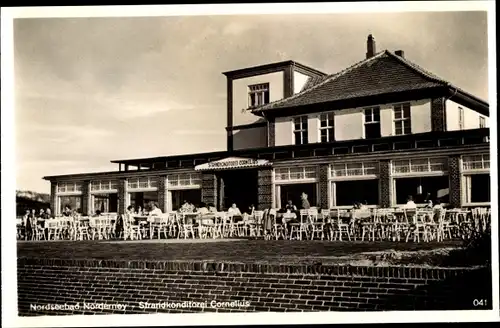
(305, 201)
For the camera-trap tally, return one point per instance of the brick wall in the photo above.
(253, 287)
(455, 183)
(265, 188)
(87, 206)
(209, 188)
(323, 186)
(53, 197)
(385, 187)
(162, 192)
(122, 195)
(438, 114)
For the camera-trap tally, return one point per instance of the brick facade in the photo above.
(454, 173)
(257, 287)
(385, 184)
(265, 188)
(209, 188)
(438, 114)
(53, 198)
(162, 192)
(323, 186)
(122, 195)
(87, 206)
(272, 132)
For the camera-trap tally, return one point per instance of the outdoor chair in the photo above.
(317, 226)
(258, 217)
(158, 224)
(52, 227)
(130, 229)
(185, 229)
(342, 227)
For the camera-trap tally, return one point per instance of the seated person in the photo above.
(97, 213)
(67, 211)
(48, 214)
(155, 211)
(410, 204)
(186, 207)
(429, 204)
(139, 211)
(211, 208)
(235, 212)
(203, 210)
(290, 208)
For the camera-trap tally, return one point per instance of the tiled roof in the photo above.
(381, 74)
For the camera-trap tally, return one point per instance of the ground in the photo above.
(250, 251)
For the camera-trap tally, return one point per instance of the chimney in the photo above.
(370, 47)
(400, 53)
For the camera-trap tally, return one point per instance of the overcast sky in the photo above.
(91, 90)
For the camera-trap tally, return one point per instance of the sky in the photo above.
(92, 90)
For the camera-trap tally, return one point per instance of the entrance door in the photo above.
(240, 188)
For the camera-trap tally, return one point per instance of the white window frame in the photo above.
(104, 186)
(259, 90)
(284, 175)
(394, 189)
(482, 122)
(480, 165)
(143, 183)
(461, 119)
(62, 188)
(372, 118)
(178, 181)
(367, 170)
(466, 189)
(402, 119)
(304, 132)
(430, 171)
(327, 127)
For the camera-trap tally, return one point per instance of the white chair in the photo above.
(130, 229)
(342, 226)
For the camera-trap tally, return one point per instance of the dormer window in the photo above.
(258, 94)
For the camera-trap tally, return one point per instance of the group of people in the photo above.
(32, 220)
(410, 204)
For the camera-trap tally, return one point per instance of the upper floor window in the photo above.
(372, 122)
(326, 127)
(460, 118)
(258, 94)
(300, 130)
(482, 122)
(402, 119)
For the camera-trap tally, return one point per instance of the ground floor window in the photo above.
(193, 196)
(349, 192)
(74, 203)
(477, 188)
(293, 192)
(422, 188)
(143, 199)
(106, 203)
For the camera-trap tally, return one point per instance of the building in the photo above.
(377, 131)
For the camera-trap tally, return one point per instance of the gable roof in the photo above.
(381, 74)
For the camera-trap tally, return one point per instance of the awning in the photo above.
(232, 163)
